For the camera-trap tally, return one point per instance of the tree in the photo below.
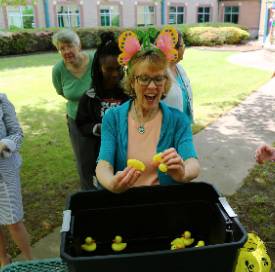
(15, 2)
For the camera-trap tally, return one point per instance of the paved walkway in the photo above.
(226, 148)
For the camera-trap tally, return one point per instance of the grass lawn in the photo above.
(255, 205)
(48, 172)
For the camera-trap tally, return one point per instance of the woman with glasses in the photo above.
(71, 78)
(180, 95)
(144, 126)
(106, 92)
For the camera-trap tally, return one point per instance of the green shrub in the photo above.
(217, 25)
(34, 40)
(25, 42)
(5, 41)
(210, 36)
(233, 35)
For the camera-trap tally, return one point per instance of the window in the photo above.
(145, 15)
(109, 16)
(203, 14)
(68, 16)
(21, 16)
(176, 15)
(231, 14)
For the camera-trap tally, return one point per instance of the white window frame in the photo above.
(69, 14)
(147, 14)
(176, 13)
(204, 13)
(20, 15)
(231, 13)
(111, 14)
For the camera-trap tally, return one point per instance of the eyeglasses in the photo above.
(146, 80)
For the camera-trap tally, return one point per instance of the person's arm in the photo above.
(188, 86)
(185, 150)
(265, 153)
(86, 120)
(10, 143)
(114, 182)
(57, 79)
(179, 169)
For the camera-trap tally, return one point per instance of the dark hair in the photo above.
(107, 47)
(177, 46)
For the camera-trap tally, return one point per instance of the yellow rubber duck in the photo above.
(117, 244)
(90, 244)
(177, 244)
(200, 244)
(157, 158)
(138, 165)
(187, 238)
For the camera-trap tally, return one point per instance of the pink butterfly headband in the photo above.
(129, 44)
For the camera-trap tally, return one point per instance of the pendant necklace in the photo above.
(141, 128)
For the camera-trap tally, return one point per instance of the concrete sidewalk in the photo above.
(226, 148)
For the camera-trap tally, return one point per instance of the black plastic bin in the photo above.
(148, 219)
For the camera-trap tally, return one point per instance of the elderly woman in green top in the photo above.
(71, 78)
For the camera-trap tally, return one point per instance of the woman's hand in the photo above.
(265, 153)
(3, 148)
(124, 180)
(175, 164)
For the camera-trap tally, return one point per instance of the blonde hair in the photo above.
(155, 58)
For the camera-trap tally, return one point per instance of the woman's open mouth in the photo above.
(150, 97)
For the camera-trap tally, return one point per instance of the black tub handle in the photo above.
(227, 207)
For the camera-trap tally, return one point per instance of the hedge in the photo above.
(28, 41)
(210, 36)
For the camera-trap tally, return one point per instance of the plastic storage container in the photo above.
(148, 219)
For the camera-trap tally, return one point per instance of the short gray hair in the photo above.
(65, 36)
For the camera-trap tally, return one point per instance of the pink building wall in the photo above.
(2, 22)
(89, 11)
(249, 14)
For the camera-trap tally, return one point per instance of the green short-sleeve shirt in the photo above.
(71, 87)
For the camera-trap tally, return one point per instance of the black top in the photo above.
(91, 109)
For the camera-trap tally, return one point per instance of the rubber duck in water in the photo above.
(90, 244)
(117, 244)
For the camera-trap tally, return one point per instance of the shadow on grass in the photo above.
(48, 173)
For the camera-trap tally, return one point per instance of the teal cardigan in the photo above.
(175, 132)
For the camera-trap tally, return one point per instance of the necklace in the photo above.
(141, 128)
